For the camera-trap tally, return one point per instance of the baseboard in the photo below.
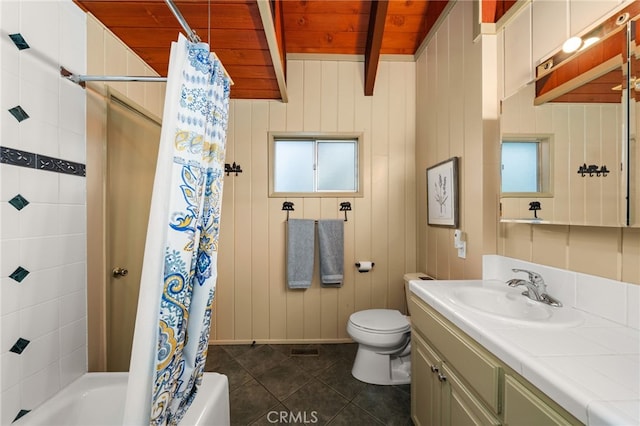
(280, 341)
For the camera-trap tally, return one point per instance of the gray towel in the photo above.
(331, 243)
(300, 252)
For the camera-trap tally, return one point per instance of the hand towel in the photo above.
(300, 252)
(331, 244)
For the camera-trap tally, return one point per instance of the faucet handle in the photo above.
(534, 277)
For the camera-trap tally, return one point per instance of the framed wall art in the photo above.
(442, 194)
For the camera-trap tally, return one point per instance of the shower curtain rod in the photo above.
(191, 35)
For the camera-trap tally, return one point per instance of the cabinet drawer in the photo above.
(478, 368)
(524, 408)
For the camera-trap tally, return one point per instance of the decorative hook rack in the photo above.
(593, 169)
(232, 168)
(344, 207)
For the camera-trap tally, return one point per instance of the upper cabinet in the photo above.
(577, 102)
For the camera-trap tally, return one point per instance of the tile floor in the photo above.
(268, 385)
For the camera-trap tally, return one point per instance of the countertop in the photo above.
(591, 369)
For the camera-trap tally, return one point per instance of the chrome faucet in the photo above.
(536, 287)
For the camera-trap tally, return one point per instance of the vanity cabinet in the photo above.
(455, 381)
(440, 397)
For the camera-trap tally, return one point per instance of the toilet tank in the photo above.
(409, 277)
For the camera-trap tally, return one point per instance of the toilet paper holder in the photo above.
(367, 267)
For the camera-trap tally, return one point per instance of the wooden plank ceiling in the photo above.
(235, 31)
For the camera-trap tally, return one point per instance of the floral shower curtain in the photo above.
(180, 263)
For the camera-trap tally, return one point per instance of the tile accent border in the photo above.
(41, 162)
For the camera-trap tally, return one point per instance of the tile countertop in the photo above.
(592, 369)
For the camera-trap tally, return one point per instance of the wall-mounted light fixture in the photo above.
(576, 43)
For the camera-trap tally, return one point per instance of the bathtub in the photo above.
(98, 399)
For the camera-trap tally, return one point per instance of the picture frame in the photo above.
(442, 193)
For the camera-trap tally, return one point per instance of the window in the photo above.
(314, 165)
(525, 165)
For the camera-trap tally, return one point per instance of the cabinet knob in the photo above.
(442, 377)
(119, 272)
(434, 368)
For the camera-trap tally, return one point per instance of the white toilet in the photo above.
(384, 346)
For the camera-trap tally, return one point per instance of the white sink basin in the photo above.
(510, 305)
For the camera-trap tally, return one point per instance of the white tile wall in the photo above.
(603, 297)
(48, 237)
(633, 306)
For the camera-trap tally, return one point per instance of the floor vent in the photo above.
(304, 352)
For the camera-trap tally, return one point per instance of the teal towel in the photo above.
(331, 244)
(300, 252)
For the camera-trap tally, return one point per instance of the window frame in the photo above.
(545, 164)
(313, 136)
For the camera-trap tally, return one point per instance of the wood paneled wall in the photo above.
(252, 299)
(107, 55)
(457, 116)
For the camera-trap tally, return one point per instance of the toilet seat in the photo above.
(380, 321)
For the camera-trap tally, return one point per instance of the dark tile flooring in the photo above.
(268, 385)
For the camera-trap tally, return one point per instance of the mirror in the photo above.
(579, 99)
(632, 189)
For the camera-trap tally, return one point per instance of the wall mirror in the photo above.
(581, 100)
(631, 190)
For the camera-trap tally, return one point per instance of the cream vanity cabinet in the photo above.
(455, 381)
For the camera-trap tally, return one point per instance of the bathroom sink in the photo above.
(510, 305)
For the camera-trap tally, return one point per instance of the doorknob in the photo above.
(119, 272)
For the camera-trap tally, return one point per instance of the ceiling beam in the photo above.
(270, 33)
(377, 17)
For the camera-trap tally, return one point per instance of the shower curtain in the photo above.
(180, 262)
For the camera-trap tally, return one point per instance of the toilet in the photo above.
(384, 346)
(384, 343)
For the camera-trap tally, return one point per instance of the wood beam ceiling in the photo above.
(377, 18)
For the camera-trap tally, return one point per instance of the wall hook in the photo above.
(535, 206)
(288, 207)
(345, 207)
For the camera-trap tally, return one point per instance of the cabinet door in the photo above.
(460, 406)
(523, 408)
(425, 386)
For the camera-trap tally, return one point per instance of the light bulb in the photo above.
(572, 44)
(588, 42)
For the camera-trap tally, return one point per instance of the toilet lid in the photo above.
(380, 320)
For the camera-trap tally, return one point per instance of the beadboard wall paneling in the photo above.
(456, 116)
(252, 300)
(107, 55)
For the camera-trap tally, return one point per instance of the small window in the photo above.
(526, 166)
(314, 165)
